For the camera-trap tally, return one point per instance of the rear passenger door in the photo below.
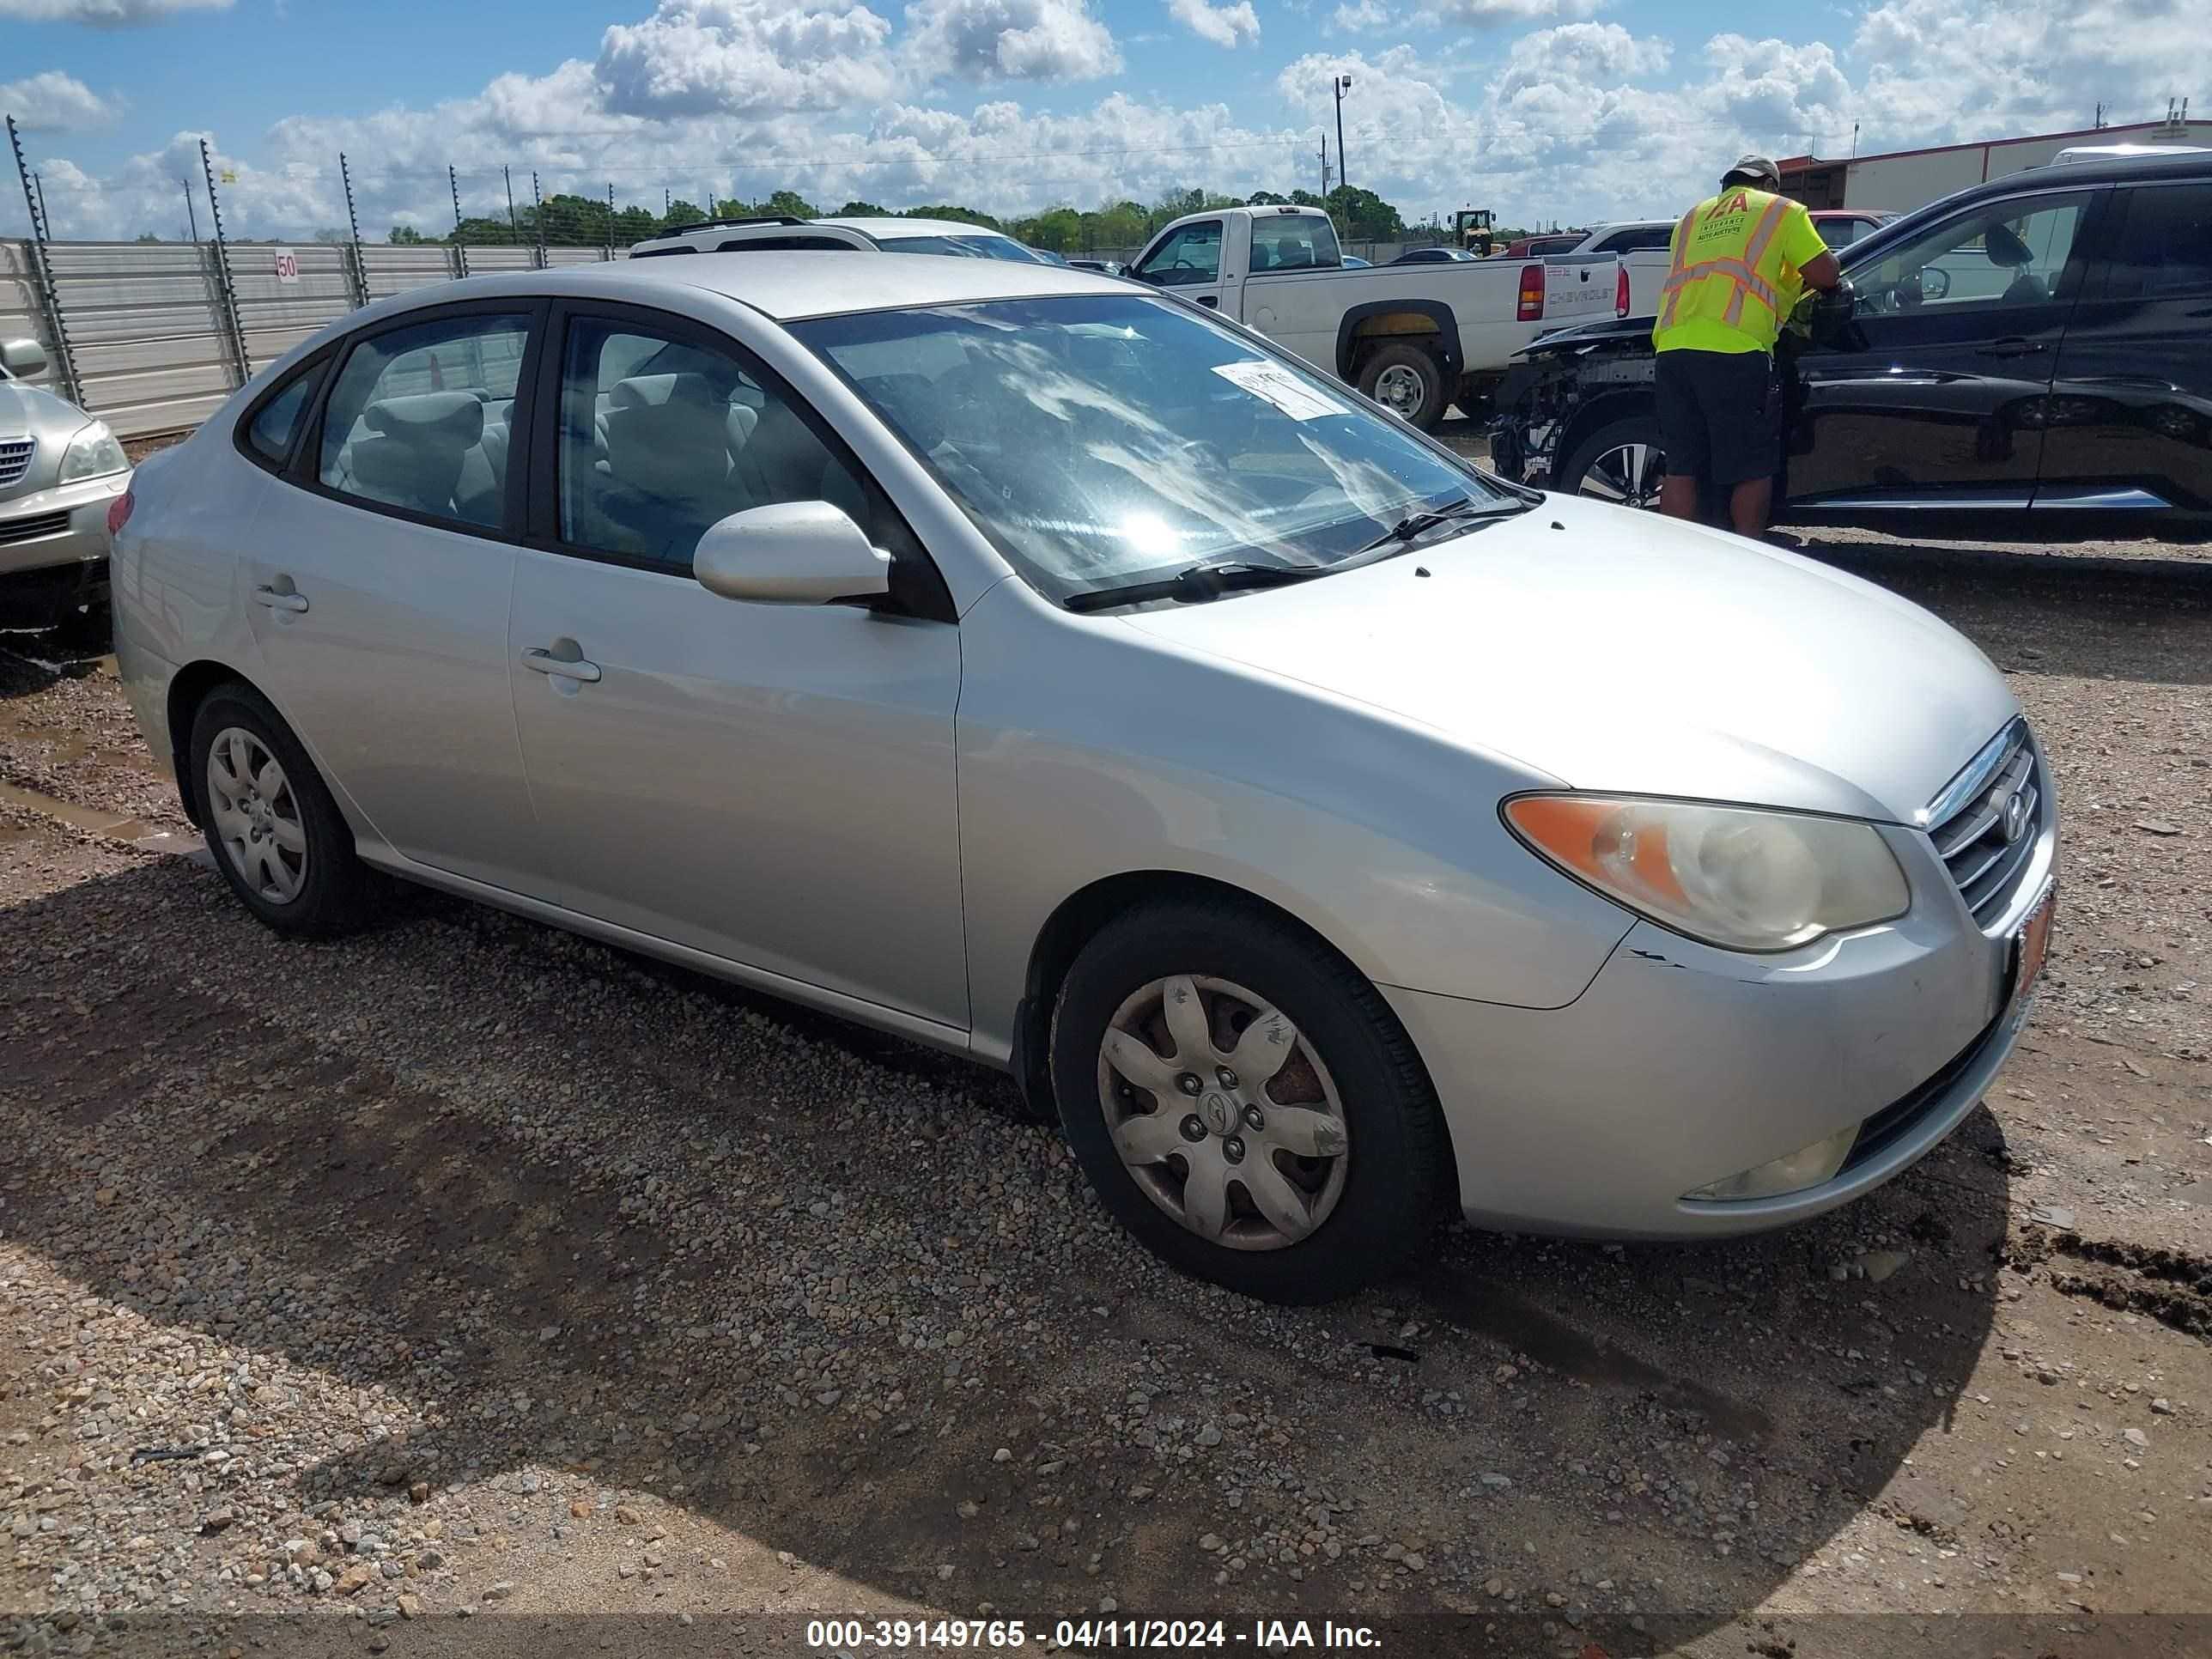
(2131, 421)
(378, 578)
(771, 785)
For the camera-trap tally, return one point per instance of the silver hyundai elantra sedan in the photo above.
(1050, 671)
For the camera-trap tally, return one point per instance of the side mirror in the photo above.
(24, 359)
(790, 553)
(1832, 311)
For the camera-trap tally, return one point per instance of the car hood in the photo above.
(1610, 331)
(1614, 650)
(24, 410)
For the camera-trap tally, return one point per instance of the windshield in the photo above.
(966, 247)
(1099, 440)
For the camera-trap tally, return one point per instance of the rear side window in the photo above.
(2165, 245)
(1636, 242)
(1294, 242)
(270, 430)
(419, 418)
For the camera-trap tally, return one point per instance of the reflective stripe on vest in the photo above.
(1741, 272)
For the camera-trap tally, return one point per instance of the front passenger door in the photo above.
(1934, 392)
(771, 785)
(1189, 261)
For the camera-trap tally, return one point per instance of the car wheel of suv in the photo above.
(1408, 381)
(1621, 463)
(1244, 1102)
(277, 836)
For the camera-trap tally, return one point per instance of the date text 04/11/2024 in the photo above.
(1000, 1636)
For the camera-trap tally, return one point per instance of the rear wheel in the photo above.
(277, 836)
(1408, 381)
(1622, 462)
(1244, 1102)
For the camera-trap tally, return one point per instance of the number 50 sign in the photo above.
(287, 266)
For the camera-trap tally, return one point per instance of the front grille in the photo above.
(25, 530)
(1896, 1121)
(15, 459)
(1987, 821)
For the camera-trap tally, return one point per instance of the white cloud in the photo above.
(1225, 26)
(51, 101)
(1488, 13)
(1365, 17)
(105, 14)
(707, 56)
(1009, 40)
(1574, 121)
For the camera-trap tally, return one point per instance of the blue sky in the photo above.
(1565, 109)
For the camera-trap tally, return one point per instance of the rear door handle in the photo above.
(546, 662)
(280, 598)
(2015, 346)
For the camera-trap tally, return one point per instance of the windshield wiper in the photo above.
(1196, 582)
(1428, 519)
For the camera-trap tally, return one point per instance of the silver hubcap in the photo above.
(1399, 389)
(256, 818)
(1223, 1112)
(1627, 473)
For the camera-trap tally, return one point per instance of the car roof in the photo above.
(891, 229)
(784, 285)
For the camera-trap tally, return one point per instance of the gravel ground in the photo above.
(381, 1295)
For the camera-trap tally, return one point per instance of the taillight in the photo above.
(119, 512)
(1620, 292)
(1532, 295)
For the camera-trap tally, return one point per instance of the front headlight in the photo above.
(1736, 877)
(93, 453)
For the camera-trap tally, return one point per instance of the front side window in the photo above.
(2002, 255)
(419, 415)
(1292, 242)
(1101, 439)
(1638, 241)
(1191, 255)
(660, 436)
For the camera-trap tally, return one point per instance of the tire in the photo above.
(1350, 1064)
(330, 885)
(1637, 430)
(1396, 391)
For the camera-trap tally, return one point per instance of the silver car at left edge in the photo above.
(60, 471)
(1045, 669)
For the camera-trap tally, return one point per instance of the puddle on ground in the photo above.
(88, 818)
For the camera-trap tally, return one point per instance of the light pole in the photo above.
(1339, 85)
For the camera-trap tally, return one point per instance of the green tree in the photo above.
(481, 231)
(1364, 216)
(406, 236)
(681, 213)
(790, 204)
(863, 211)
(330, 235)
(148, 236)
(958, 214)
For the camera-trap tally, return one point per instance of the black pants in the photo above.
(1719, 415)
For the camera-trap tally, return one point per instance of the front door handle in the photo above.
(1209, 302)
(2016, 346)
(566, 668)
(283, 598)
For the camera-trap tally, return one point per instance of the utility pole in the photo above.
(537, 215)
(353, 227)
(1340, 85)
(611, 219)
(192, 214)
(1855, 141)
(513, 230)
(1324, 167)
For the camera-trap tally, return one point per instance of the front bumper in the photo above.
(67, 525)
(1682, 1065)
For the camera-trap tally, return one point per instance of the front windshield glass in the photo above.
(1102, 440)
(966, 247)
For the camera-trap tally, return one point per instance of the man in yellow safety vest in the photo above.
(1741, 260)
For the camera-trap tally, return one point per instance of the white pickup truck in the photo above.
(1414, 338)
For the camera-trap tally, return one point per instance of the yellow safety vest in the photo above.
(1725, 290)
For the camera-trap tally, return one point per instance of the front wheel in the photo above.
(1408, 381)
(1622, 462)
(1244, 1102)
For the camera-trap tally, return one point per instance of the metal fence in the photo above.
(152, 336)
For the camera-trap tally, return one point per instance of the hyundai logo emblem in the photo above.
(2015, 816)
